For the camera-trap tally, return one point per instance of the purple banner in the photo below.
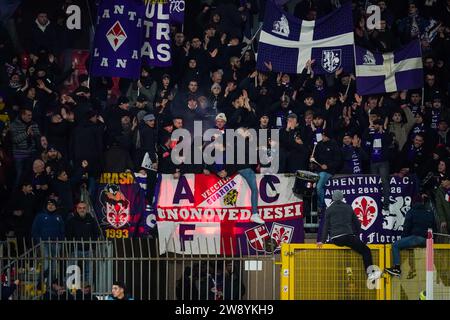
(156, 48)
(364, 194)
(177, 11)
(118, 39)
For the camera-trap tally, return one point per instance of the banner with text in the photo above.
(156, 47)
(118, 39)
(121, 206)
(202, 214)
(177, 11)
(364, 194)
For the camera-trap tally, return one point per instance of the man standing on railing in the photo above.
(415, 228)
(327, 160)
(343, 228)
(377, 142)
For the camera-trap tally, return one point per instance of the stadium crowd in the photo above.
(55, 140)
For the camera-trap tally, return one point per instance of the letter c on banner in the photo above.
(271, 181)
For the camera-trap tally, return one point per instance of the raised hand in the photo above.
(358, 99)
(214, 53)
(268, 65)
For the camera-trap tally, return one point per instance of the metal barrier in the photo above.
(337, 273)
(67, 270)
(71, 270)
(329, 273)
(413, 280)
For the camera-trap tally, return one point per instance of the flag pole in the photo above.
(423, 96)
(251, 41)
(91, 43)
(348, 86)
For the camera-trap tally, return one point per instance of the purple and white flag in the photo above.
(118, 39)
(177, 11)
(288, 42)
(156, 48)
(389, 72)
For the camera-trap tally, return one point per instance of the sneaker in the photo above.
(394, 271)
(257, 219)
(374, 276)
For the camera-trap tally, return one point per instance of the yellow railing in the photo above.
(337, 273)
(413, 279)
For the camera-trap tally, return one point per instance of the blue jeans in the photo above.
(249, 176)
(405, 243)
(50, 252)
(323, 178)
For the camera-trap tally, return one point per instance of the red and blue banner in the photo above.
(122, 206)
(199, 214)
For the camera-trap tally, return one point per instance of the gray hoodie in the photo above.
(340, 220)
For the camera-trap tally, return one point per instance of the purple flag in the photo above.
(156, 48)
(389, 72)
(289, 42)
(118, 39)
(364, 194)
(177, 11)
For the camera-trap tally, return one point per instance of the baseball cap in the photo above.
(292, 116)
(123, 100)
(215, 85)
(436, 96)
(149, 117)
(52, 201)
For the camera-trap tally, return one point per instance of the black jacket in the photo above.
(78, 228)
(386, 141)
(39, 39)
(87, 144)
(414, 159)
(329, 153)
(417, 221)
(117, 159)
(64, 190)
(148, 141)
(27, 203)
